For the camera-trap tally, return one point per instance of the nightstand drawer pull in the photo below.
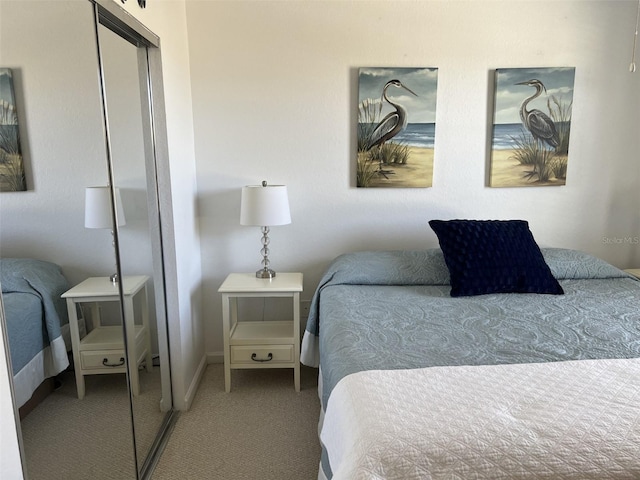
(105, 362)
(268, 359)
(260, 355)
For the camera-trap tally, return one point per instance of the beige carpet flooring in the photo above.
(261, 430)
(69, 439)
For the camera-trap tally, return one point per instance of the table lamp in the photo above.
(97, 211)
(265, 206)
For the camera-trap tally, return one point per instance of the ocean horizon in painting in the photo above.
(421, 135)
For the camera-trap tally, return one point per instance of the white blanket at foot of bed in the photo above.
(561, 420)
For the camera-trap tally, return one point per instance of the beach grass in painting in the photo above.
(12, 177)
(531, 129)
(400, 103)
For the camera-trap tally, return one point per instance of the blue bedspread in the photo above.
(34, 313)
(392, 310)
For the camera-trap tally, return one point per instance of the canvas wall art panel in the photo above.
(12, 178)
(396, 127)
(531, 126)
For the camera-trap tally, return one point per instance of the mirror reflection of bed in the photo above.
(43, 377)
(31, 291)
(46, 249)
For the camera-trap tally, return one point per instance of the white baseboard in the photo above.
(215, 357)
(193, 387)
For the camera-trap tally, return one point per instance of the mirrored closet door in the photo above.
(88, 81)
(125, 69)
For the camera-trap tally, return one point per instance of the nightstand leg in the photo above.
(296, 340)
(75, 345)
(131, 344)
(145, 324)
(226, 306)
(80, 384)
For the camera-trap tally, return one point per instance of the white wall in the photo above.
(274, 88)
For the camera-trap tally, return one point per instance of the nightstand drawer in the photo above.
(106, 360)
(262, 354)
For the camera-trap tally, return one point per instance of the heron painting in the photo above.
(396, 127)
(12, 177)
(531, 126)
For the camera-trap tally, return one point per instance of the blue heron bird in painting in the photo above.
(393, 123)
(537, 122)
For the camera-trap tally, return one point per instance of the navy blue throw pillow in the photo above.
(493, 256)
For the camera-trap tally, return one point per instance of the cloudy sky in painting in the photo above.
(422, 81)
(509, 96)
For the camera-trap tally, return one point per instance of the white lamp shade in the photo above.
(97, 208)
(264, 206)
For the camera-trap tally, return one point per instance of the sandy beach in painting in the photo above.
(508, 172)
(11, 173)
(416, 173)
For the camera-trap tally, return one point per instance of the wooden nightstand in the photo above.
(268, 344)
(102, 350)
(634, 271)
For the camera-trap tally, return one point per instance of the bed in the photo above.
(36, 322)
(417, 383)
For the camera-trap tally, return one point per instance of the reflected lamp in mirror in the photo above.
(265, 206)
(97, 211)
